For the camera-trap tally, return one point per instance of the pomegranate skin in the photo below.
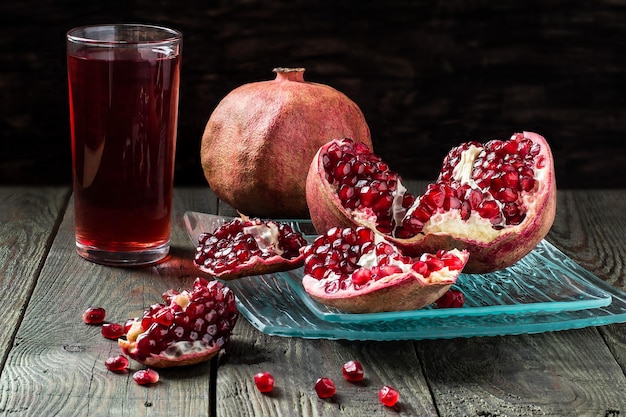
(486, 254)
(259, 141)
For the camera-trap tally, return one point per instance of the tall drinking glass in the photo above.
(123, 97)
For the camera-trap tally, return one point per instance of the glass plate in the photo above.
(512, 301)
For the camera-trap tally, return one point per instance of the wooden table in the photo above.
(53, 365)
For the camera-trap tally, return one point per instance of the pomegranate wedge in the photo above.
(247, 246)
(496, 200)
(188, 328)
(358, 271)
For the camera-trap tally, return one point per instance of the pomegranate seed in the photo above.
(361, 276)
(451, 299)
(146, 377)
(325, 388)
(117, 363)
(388, 396)
(352, 371)
(94, 315)
(112, 330)
(264, 381)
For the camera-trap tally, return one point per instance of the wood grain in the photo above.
(28, 222)
(296, 365)
(57, 364)
(570, 373)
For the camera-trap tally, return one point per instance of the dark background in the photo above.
(427, 75)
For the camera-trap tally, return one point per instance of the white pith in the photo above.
(266, 237)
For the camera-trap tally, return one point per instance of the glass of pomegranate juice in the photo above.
(123, 96)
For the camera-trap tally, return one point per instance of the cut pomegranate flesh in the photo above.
(388, 396)
(246, 246)
(146, 377)
(117, 363)
(357, 270)
(94, 315)
(352, 371)
(264, 381)
(495, 199)
(190, 327)
(325, 388)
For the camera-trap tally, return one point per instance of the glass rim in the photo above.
(72, 35)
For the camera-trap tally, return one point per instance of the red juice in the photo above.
(123, 116)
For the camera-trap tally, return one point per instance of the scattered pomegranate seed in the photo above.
(325, 388)
(451, 299)
(388, 396)
(117, 363)
(146, 377)
(264, 381)
(112, 330)
(352, 371)
(94, 315)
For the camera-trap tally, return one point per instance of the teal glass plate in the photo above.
(545, 291)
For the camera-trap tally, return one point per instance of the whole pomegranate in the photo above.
(496, 200)
(188, 328)
(260, 140)
(358, 271)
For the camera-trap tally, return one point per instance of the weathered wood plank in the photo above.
(28, 218)
(297, 363)
(57, 364)
(569, 373)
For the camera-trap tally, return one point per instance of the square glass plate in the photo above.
(545, 291)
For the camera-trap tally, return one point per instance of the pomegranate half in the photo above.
(188, 328)
(260, 139)
(496, 200)
(358, 271)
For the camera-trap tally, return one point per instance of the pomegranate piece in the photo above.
(188, 328)
(117, 364)
(358, 271)
(146, 377)
(94, 315)
(496, 199)
(246, 246)
(325, 388)
(451, 299)
(388, 396)
(112, 330)
(352, 371)
(264, 382)
(261, 138)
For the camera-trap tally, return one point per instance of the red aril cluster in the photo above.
(146, 377)
(246, 246)
(451, 299)
(325, 388)
(388, 396)
(94, 315)
(356, 270)
(190, 327)
(352, 371)
(264, 381)
(112, 330)
(497, 199)
(117, 363)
